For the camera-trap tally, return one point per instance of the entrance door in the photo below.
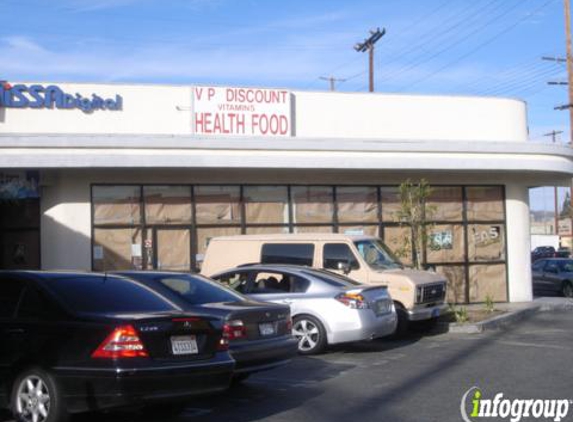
(20, 234)
(168, 249)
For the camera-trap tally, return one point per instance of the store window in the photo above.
(313, 229)
(312, 204)
(357, 204)
(359, 230)
(445, 204)
(488, 281)
(456, 276)
(117, 205)
(204, 236)
(399, 240)
(178, 221)
(266, 204)
(485, 203)
(486, 242)
(390, 198)
(167, 204)
(117, 249)
(218, 205)
(445, 243)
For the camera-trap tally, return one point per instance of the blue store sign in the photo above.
(52, 96)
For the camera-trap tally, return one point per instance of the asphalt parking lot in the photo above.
(420, 378)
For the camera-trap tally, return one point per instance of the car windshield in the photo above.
(377, 255)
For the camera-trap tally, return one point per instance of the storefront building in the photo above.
(103, 177)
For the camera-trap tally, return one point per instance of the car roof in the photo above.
(271, 267)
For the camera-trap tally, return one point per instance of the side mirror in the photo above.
(344, 267)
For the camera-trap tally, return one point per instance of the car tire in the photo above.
(36, 392)
(403, 323)
(567, 289)
(310, 334)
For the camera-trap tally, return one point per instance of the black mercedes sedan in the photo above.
(74, 342)
(259, 334)
(553, 275)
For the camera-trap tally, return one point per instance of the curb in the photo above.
(501, 321)
(494, 323)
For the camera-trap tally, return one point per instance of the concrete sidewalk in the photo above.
(513, 312)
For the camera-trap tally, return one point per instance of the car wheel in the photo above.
(310, 334)
(36, 397)
(567, 289)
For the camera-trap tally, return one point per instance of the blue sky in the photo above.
(476, 47)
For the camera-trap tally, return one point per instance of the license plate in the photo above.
(184, 345)
(436, 313)
(267, 329)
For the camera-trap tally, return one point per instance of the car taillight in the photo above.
(289, 325)
(232, 330)
(123, 342)
(353, 300)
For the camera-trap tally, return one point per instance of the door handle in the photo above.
(15, 331)
(286, 301)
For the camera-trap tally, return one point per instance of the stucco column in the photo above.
(518, 243)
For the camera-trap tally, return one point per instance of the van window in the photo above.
(288, 253)
(335, 253)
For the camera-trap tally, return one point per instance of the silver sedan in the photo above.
(327, 308)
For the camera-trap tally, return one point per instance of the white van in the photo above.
(418, 295)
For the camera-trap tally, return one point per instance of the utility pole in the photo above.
(368, 45)
(332, 80)
(567, 6)
(553, 135)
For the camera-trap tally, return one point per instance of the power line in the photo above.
(480, 46)
(424, 58)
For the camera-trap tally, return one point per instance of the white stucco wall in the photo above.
(66, 224)
(164, 109)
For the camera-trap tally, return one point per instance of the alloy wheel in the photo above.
(33, 400)
(307, 333)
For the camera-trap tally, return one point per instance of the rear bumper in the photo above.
(88, 389)
(364, 325)
(260, 355)
(419, 314)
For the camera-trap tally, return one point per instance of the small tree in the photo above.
(414, 213)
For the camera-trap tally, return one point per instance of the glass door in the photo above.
(167, 249)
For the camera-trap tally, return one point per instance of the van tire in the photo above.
(403, 323)
(310, 334)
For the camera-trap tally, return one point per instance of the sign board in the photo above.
(17, 184)
(52, 96)
(565, 227)
(241, 112)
